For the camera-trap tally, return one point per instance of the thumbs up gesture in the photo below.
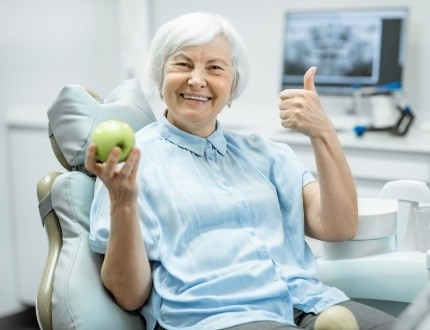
(301, 109)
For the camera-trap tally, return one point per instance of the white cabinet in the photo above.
(30, 158)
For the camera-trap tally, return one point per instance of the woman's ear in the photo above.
(232, 89)
(160, 90)
(230, 100)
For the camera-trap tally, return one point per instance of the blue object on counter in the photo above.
(400, 128)
(360, 130)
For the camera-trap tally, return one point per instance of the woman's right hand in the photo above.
(119, 179)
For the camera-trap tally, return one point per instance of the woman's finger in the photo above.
(131, 163)
(90, 159)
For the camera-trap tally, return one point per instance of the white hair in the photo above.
(196, 29)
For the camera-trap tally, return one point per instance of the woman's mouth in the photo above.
(198, 98)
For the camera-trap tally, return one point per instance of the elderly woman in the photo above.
(205, 229)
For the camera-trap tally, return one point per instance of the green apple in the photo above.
(113, 133)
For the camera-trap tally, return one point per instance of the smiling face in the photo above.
(197, 85)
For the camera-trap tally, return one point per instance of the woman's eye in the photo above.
(184, 64)
(215, 67)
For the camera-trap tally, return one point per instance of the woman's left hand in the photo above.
(301, 109)
(330, 206)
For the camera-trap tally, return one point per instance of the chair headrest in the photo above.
(76, 111)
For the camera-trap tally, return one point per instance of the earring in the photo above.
(161, 95)
(229, 103)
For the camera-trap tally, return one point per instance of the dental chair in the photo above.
(71, 294)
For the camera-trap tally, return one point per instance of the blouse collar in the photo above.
(194, 143)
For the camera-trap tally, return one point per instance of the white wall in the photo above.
(260, 24)
(43, 46)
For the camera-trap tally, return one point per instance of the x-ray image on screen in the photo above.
(339, 49)
(349, 47)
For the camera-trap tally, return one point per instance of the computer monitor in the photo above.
(351, 48)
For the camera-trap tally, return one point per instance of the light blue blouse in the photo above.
(222, 221)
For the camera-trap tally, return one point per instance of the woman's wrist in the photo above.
(123, 208)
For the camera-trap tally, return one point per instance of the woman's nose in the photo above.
(197, 79)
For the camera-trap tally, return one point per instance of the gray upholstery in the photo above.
(79, 300)
(75, 113)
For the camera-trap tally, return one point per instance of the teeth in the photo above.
(195, 97)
